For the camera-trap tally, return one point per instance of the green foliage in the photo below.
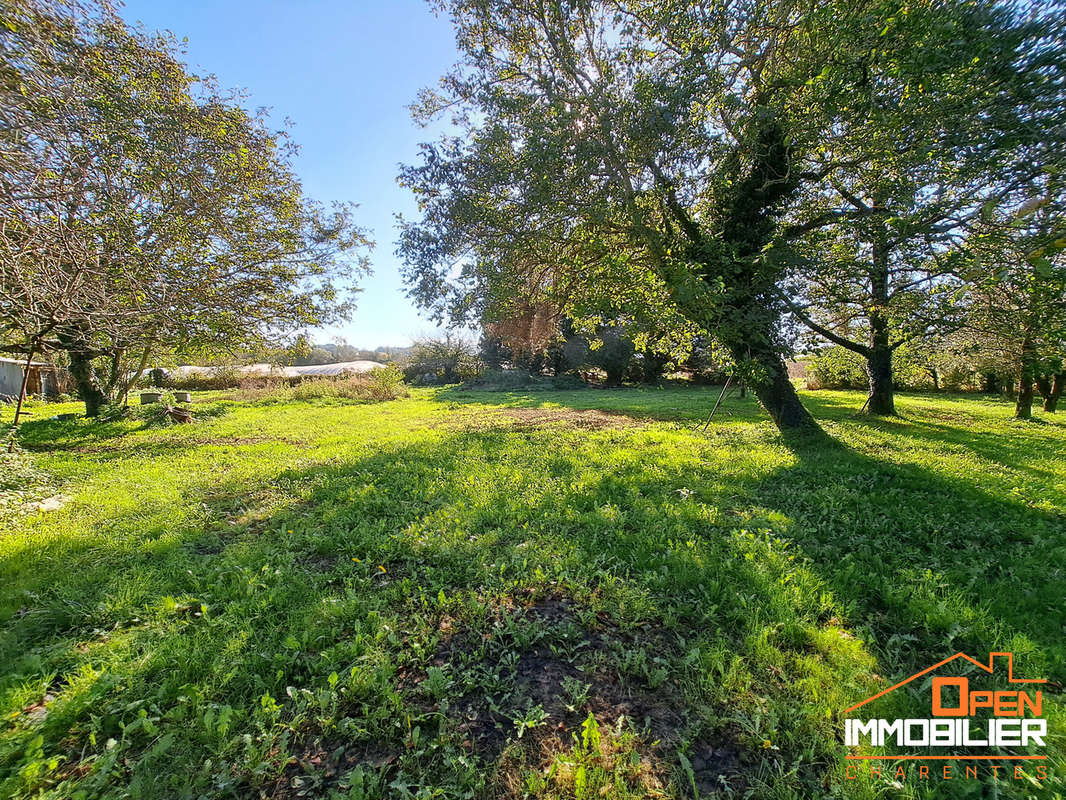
(188, 199)
(375, 386)
(696, 170)
(441, 360)
(836, 367)
(385, 383)
(509, 380)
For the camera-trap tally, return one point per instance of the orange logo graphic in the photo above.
(962, 714)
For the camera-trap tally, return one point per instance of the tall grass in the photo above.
(375, 386)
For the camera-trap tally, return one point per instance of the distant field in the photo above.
(551, 594)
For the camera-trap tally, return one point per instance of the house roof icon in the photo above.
(989, 668)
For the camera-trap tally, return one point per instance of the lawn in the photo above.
(551, 594)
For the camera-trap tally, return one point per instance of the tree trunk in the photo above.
(1051, 400)
(1043, 385)
(778, 396)
(773, 388)
(753, 333)
(1023, 409)
(935, 376)
(115, 373)
(881, 400)
(127, 383)
(82, 371)
(22, 399)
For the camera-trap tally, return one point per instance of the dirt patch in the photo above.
(322, 763)
(319, 564)
(554, 683)
(591, 419)
(716, 762)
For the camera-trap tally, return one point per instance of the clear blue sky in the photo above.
(343, 71)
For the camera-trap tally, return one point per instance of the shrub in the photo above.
(385, 383)
(376, 386)
(503, 380)
(837, 368)
(447, 359)
(509, 380)
(215, 378)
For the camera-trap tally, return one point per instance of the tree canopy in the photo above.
(143, 206)
(670, 159)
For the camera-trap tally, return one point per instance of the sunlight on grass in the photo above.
(323, 597)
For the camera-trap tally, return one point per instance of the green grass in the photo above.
(551, 594)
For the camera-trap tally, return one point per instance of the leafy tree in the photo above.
(144, 208)
(959, 106)
(448, 358)
(630, 155)
(656, 158)
(1019, 305)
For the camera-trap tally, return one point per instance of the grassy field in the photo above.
(555, 594)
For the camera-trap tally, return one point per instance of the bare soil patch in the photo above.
(531, 418)
(538, 676)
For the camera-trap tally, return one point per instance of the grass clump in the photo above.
(376, 386)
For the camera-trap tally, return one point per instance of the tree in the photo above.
(1018, 305)
(144, 208)
(959, 106)
(657, 157)
(444, 359)
(634, 154)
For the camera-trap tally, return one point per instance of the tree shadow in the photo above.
(921, 557)
(56, 435)
(1024, 453)
(682, 405)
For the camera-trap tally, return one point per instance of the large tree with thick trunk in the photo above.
(662, 155)
(641, 153)
(962, 108)
(144, 208)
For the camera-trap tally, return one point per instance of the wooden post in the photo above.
(22, 397)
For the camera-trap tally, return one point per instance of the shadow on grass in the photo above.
(1024, 452)
(689, 405)
(53, 435)
(720, 582)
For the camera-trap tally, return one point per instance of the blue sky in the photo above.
(343, 71)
